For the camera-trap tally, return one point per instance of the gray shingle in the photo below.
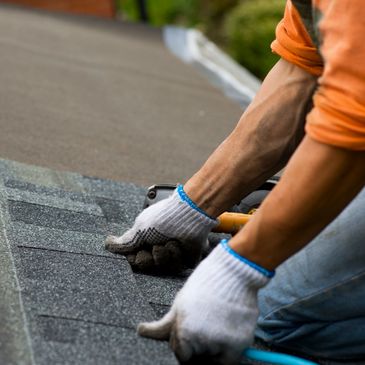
(40, 175)
(61, 341)
(121, 212)
(50, 191)
(116, 211)
(52, 201)
(125, 192)
(159, 290)
(43, 216)
(29, 235)
(92, 288)
(14, 344)
(81, 303)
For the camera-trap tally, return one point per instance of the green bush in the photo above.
(161, 12)
(249, 30)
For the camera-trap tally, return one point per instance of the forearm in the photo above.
(319, 181)
(260, 145)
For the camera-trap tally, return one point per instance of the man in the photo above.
(315, 303)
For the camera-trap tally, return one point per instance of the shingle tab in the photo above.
(82, 303)
(29, 235)
(159, 290)
(89, 288)
(54, 201)
(114, 190)
(43, 216)
(52, 191)
(14, 344)
(62, 341)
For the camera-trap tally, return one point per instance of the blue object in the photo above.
(184, 197)
(259, 268)
(275, 358)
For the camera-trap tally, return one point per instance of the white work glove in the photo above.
(214, 315)
(167, 236)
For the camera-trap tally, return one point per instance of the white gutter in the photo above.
(192, 47)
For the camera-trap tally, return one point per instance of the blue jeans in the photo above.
(316, 302)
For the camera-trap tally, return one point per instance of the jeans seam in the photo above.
(316, 294)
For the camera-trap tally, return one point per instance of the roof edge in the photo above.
(192, 47)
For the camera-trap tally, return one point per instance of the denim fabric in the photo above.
(316, 302)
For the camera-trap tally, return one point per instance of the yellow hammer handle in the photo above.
(231, 222)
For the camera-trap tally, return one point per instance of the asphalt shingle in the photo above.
(44, 216)
(62, 341)
(28, 235)
(81, 95)
(13, 170)
(14, 342)
(76, 302)
(55, 202)
(159, 290)
(49, 191)
(92, 288)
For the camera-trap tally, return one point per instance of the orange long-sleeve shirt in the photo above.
(338, 115)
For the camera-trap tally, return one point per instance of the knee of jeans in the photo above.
(275, 329)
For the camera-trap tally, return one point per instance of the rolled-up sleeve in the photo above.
(338, 115)
(294, 44)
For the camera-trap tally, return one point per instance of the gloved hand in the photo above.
(167, 236)
(214, 315)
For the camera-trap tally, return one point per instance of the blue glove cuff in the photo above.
(184, 197)
(259, 268)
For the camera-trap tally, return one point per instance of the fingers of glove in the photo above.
(168, 257)
(162, 259)
(210, 356)
(192, 252)
(192, 350)
(158, 330)
(142, 261)
(125, 244)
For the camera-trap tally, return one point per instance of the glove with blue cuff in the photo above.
(214, 315)
(168, 236)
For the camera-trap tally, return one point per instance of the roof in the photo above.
(104, 98)
(65, 299)
(98, 98)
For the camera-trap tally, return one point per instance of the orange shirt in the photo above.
(338, 115)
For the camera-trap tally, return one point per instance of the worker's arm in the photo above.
(319, 181)
(216, 311)
(261, 144)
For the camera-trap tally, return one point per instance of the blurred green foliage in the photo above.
(250, 29)
(162, 12)
(243, 28)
